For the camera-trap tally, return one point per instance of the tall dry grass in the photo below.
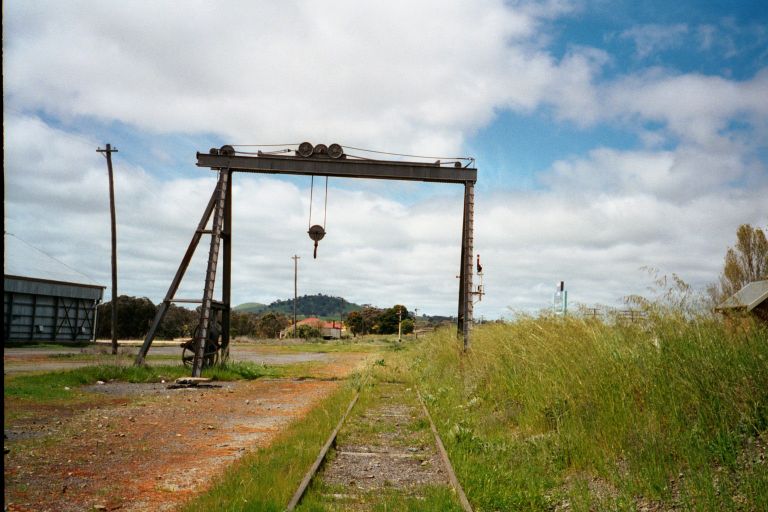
(604, 415)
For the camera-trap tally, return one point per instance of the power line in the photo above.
(48, 255)
(411, 156)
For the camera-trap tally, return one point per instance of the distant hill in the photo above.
(307, 305)
(251, 307)
(325, 307)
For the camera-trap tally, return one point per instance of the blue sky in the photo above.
(609, 136)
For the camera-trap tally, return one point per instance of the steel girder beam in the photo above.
(342, 168)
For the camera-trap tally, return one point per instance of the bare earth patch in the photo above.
(143, 447)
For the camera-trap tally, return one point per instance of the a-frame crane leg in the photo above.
(163, 309)
(210, 273)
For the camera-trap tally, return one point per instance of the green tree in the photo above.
(364, 321)
(408, 326)
(307, 331)
(242, 324)
(134, 316)
(389, 319)
(747, 261)
(178, 323)
(355, 322)
(270, 324)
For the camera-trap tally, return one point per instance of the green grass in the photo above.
(265, 480)
(62, 385)
(605, 416)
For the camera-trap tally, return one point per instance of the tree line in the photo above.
(371, 320)
(744, 263)
(135, 315)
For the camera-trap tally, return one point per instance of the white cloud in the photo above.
(413, 76)
(376, 248)
(695, 108)
(653, 38)
(417, 77)
(602, 218)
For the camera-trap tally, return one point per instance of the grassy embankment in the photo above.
(550, 412)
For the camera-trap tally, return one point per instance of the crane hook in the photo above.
(316, 233)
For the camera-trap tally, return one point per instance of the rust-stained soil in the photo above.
(144, 447)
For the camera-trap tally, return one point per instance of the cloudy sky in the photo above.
(609, 136)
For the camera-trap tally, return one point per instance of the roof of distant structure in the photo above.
(748, 298)
(24, 260)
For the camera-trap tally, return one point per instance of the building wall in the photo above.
(47, 311)
(331, 333)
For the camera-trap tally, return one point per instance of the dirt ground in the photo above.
(144, 447)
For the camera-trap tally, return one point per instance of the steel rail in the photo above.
(446, 461)
(320, 458)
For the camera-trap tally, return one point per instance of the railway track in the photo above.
(390, 446)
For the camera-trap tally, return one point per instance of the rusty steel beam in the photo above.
(343, 168)
(465, 275)
(226, 283)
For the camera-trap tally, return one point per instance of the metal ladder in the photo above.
(216, 206)
(210, 273)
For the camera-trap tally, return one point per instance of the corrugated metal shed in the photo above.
(748, 298)
(47, 310)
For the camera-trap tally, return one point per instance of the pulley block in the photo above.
(316, 233)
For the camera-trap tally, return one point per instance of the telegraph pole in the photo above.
(108, 154)
(415, 318)
(295, 259)
(399, 324)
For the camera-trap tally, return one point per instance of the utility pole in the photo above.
(399, 324)
(295, 259)
(108, 154)
(415, 318)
